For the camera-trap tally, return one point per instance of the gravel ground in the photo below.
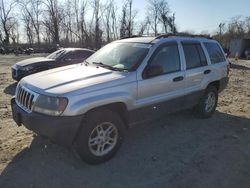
(178, 150)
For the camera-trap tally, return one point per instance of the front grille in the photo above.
(25, 98)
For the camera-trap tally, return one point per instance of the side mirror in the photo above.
(152, 71)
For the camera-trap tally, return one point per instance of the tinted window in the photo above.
(168, 58)
(81, 54)
(74, 55)
(215, 53)
(194, 55)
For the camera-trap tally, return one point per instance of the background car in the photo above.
(62, 57)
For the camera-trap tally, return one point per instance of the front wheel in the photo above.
(207, 103)
(100, 136)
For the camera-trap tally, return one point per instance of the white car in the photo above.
(89, 105)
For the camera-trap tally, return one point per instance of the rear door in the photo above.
(197, 71)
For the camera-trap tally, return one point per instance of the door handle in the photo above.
(207, 71)
(179, 78)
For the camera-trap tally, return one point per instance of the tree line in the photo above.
(236, 28)
(82, 23)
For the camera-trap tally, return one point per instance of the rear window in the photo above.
(215, 53)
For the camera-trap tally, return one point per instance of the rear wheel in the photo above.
(207, 103)
(100, 136)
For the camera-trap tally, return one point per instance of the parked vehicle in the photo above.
(89, 106)
(22, 51)
(62, 57)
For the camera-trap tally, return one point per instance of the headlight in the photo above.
(50, 105)
(26, 68)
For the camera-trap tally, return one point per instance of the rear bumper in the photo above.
(59, 129)
(223, 83)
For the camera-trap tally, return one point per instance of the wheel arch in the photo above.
(216, 84)
(118, 107)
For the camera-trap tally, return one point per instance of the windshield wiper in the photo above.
(108, 66)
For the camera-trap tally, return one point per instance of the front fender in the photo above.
(80, 107)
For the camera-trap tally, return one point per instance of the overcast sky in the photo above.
(202, 15)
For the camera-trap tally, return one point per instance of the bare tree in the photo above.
(54, 19)
(127, 20)
(123, 21)
(88, 23)
(130, 20)
(110, 21)
(114, 24)
(68, 22)
(153, 12)
(236, 27)
(32, 10)
(107, 17)
(28, 28)
(247, 26)
(144, 26)
(83, 25)
(14, 34)
(97, 14)
(163, 13)
(6, 19)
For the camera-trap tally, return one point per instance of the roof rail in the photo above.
(133, 36)
(181, 35)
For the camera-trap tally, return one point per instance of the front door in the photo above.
(162, 93)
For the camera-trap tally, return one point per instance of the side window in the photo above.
(168, 58)
(215, 53)
(84, 54)
(194, 55)
(78, 54)
(70, 55)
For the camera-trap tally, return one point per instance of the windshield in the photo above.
(120, 55)
(57, 54)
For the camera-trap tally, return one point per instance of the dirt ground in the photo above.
(178, 150)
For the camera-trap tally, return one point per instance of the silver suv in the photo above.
(89, 106)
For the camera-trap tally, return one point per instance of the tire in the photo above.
(205, 108)
(100, 136)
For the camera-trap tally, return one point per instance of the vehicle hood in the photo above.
(33, 61)
(77, 78)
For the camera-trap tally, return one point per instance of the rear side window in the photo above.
(168, 58)
(194, 55)
(215, 53)
(80, 54)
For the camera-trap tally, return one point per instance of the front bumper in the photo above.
(59, 129)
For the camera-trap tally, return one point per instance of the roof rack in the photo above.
(181, 35)
(133, 36)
